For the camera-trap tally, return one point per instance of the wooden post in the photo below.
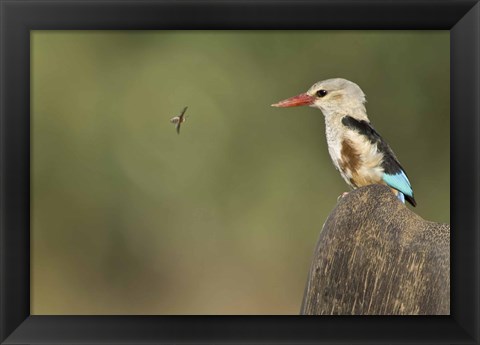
(376, 257)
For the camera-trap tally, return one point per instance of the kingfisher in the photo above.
(357, 150)
(178, 120)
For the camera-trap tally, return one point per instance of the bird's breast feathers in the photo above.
(359, 162)
(354, 154)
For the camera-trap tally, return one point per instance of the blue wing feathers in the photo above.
(400, 182)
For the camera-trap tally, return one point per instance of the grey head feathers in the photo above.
(338, 96)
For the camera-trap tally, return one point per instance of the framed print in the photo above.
(157, 186)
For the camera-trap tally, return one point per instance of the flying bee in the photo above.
(178, 120)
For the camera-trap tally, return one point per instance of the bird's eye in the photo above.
(322, 93)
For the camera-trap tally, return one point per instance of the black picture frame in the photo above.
(18, 17)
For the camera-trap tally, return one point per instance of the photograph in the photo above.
(240, 172)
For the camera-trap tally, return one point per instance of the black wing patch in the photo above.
(390, 163)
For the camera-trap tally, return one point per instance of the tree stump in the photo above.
(376, 257)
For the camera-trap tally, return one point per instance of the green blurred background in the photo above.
(130, 218)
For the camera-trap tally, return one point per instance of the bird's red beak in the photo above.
(302, 99)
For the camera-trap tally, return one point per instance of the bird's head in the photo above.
(331, 96)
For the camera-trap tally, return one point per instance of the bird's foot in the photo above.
(342, 196)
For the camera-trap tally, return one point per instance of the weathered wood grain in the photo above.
(376, 257)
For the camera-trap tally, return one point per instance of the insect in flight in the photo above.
(178, 120)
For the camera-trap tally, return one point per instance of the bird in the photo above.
(178, 120)
(357, 150)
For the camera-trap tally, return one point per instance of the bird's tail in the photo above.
(402, 197)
